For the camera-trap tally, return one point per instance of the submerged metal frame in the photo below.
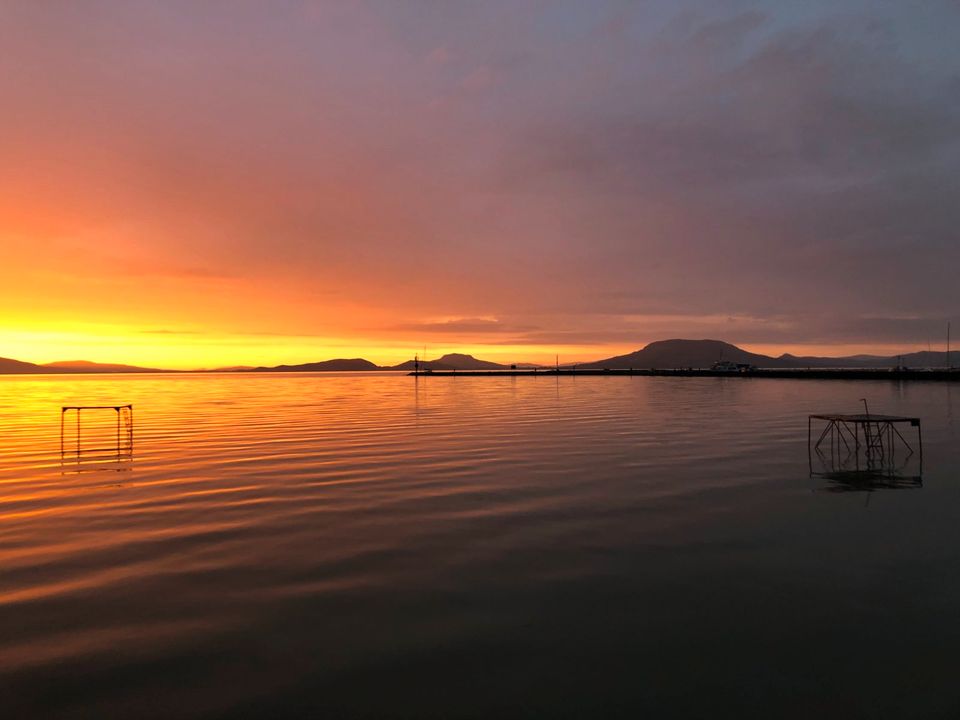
(123, 450)
(880, 440)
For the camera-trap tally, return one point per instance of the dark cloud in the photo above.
(772, 170)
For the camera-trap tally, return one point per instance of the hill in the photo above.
(704, 353)
(663, 354)
(451, 361)
(85, 366)
(685, 353)
(338, 365)
(8, 367)
(469, 362)
(924, 359)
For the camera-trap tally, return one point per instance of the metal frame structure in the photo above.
(122, 451)
(874, 439)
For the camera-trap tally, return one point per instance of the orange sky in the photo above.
(184, 188)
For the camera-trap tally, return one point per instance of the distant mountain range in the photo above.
(10, 367)
(85, 366)
(668, 354)
(663, 354)
(452, 361)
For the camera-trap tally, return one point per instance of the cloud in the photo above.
(481, 78)
(577, 171)
(461, 326)
(439, 56)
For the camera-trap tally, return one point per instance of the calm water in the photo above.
(377, 546)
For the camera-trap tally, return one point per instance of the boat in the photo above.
(731, 367)
(725, 366)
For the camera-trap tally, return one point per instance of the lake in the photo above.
(377, 545)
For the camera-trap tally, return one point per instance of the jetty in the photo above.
(772, 373)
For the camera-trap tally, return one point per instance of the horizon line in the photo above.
(242, 367)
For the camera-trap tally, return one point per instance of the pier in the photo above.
(771, 373)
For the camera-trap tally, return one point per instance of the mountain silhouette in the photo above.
(924, 359)
(666, 354)
(684, 353)
(662, 354)
(339, 364)
(85, 366)
(451, 361)
(10, 367)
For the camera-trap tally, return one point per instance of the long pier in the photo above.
(790, 373)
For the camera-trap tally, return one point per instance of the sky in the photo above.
(202, 184)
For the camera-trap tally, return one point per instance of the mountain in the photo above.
(924, 359)
(451, 361)
(663, 354)
(339, 364)
(851, 361)
(8, 366)
(85, 366)
(460, 361)
(704, 353)
(410, 366)
(685, 353)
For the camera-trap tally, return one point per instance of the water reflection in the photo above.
(348, 546)
(855, 465)
(863, 452)
(950, 405)
(855, 471)
(867, 481)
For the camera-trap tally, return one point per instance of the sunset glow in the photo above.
(382, 359)
(315, 180)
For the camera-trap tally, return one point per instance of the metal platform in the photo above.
(864, 443)
(867, 418)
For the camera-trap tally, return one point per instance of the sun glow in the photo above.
(195, 349)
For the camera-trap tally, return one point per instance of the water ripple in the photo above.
(279, 535)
